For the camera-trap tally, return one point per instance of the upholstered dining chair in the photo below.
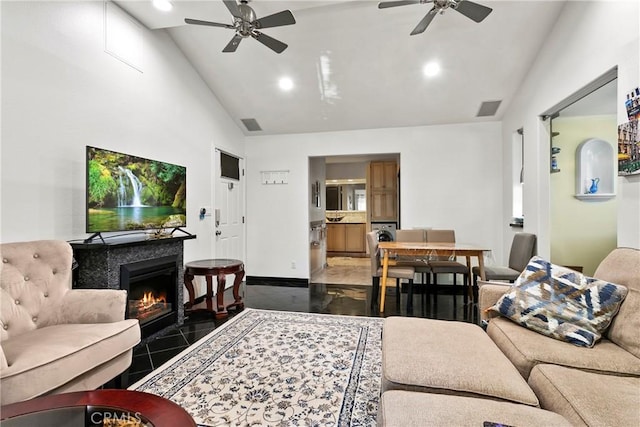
(418, 263)
(523, 247)
(396, 272)
(444, 265)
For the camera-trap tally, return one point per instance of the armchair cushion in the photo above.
(93, 306)
(561, 303)
(62, 353)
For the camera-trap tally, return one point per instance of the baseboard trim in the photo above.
(277, 281)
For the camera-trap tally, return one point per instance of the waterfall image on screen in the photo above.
(126, 192)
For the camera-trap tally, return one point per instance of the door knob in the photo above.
(218, 232)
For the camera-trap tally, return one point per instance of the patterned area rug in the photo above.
(273, 368)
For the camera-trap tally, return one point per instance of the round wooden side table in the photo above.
(219, 268)
(93, 407)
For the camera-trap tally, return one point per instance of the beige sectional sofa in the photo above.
(442, 373)
(53, 338)
(588, 386)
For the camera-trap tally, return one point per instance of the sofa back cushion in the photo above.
(622, 266)
(34, 276)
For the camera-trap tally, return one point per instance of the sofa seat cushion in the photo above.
(526, 348)
(410, 409)
(440, 356)
(588, 398)
(62, 353)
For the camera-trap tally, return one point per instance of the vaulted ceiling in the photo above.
(354, 66)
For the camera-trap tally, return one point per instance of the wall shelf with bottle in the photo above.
(554, 152)
(595, 170)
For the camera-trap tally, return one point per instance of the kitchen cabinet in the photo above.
(383, 176)
(383, 206)
(346, 238)
(336, 238)
(383, 191)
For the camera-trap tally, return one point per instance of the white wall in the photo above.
(451, 176)
(61, 91)
(590, 38)
(347, 170)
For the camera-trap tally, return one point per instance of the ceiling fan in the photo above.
(471, 10)
(246, 25)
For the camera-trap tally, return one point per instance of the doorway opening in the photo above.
(583, 229)
(340, 220)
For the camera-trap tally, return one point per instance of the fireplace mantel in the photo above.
(99, 263)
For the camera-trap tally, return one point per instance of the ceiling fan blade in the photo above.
(276, 20)
(273, 44)
(233, 44)
(233, 7)
(422, 25)
(208, 23)
(474, 11)
(386, 4)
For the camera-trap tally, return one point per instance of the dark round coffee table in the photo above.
(209, 268)
(89, 408)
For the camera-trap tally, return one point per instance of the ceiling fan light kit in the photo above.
(245, 24)
(474, 11)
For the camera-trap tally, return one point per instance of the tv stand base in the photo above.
(180, 229)
(93, 236)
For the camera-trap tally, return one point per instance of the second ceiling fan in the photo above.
(471, 10)
(246, 25)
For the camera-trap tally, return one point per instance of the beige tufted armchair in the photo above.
(55, 339)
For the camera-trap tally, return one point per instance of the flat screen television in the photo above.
(126, 192)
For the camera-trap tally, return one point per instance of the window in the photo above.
(229, 166)
(517, 162)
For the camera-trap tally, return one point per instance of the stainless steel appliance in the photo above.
(386, 231)
(317, 246)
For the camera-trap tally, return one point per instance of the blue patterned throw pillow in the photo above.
(561, 303)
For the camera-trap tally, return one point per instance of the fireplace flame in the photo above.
(149, 306)
(149, 300)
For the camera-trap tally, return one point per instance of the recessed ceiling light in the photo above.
(163, 5)
(431, 69)
(286, 84)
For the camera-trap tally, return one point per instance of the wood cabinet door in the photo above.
(336, 238)
(383, 175)
(354, 237)
(383, 206)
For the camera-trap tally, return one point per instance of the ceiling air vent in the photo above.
(488, 108)
(251, 124)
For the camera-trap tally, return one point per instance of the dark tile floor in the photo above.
(351, 300)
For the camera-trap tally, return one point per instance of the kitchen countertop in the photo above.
(348, 217)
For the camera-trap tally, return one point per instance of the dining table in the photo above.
(426, 250)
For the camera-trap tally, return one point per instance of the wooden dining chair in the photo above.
(443, 264)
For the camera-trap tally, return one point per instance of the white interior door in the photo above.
(229, 214)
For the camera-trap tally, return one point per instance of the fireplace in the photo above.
(152, 292)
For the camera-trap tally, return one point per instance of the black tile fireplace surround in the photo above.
(152, 290)
(102, 266)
